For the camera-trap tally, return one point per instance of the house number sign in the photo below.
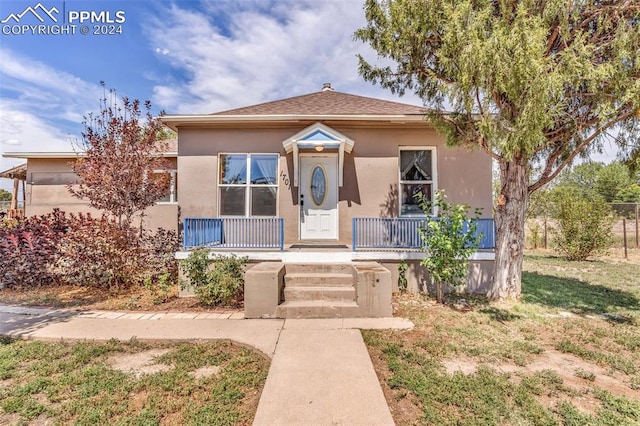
(285, 179)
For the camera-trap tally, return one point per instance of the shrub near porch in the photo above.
(57, 249)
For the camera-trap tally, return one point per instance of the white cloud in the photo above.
(242, 53)
(21, 131)
(39, 107)
(40, 104)
(45, 90)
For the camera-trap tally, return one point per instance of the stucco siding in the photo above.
(371, 175)
(47, 180)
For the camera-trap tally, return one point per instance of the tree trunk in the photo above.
(510, 221)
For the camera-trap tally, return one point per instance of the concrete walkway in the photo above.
(320, 373)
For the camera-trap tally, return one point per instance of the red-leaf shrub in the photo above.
(28, 248)
(100, 253)
(162, 277)
(83, 250)
(160, 247)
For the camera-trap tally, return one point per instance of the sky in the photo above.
(185, 56)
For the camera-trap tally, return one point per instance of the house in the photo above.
(47, 175)
(325, 178)
(316, 190)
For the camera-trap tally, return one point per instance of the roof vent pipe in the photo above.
(327, 86)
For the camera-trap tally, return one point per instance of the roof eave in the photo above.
(173, 121)
(64, 155)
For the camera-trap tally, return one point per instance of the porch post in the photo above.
(14, 195)
(295, 164)
(341, 164)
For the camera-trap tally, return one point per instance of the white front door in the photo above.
(318, 197)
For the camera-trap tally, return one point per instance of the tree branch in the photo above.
(548, 176)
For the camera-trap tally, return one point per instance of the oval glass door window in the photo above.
(318, 185)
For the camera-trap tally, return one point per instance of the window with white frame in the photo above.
(417, 176)
(172, 195)
(247, 184)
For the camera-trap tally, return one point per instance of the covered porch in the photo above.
(368, 234)
(327, 279)
(14, 209)
(389, 242)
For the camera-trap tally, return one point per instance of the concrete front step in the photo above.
(319, 268)
(318, 309)
(315, 279)
(338, 293)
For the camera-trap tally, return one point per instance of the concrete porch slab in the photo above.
(329, 256)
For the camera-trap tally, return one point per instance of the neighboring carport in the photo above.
(19, 176)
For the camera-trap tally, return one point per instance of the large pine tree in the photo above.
(534, 83)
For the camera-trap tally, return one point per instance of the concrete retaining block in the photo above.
(373, 288)
(263, 289)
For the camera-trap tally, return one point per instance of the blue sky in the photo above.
(196, 56)
(186, 56)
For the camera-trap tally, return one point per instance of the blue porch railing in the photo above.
(402, 232)
(234, 232)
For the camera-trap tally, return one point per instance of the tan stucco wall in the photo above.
(370, 171)
(479, 280)
(46, 190)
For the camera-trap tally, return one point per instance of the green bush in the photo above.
(402, 276)
(534, 234)
(583, 228)
(215, 282)
(629, 194)
(448, 240)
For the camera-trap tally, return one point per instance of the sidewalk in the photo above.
(320, 373)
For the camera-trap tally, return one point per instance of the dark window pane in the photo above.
(409, 201)
(233, 169)
(54, 178)
(174, 187)
(318, 185)
(232, 201)
(263, 169)
(415, 165)
(172, 191)
(166, 198)
(263, 201)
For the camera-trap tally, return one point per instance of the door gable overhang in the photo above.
(318, 137)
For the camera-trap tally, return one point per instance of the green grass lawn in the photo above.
(77, 383)
(567, 353)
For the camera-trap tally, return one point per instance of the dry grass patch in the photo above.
(130, 383)
(139, 363)
(568, 353)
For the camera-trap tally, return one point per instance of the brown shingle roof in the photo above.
(168, 145)
(328, 102)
